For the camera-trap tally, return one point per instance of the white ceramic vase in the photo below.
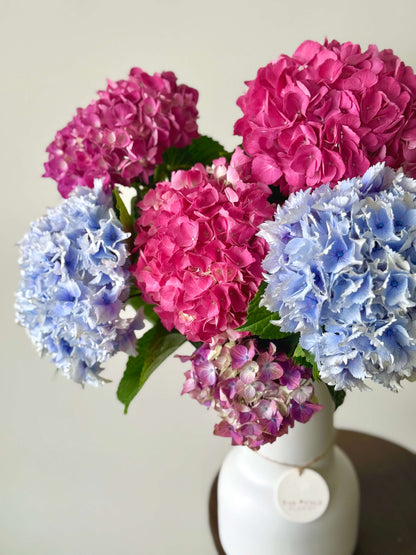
(250, 517)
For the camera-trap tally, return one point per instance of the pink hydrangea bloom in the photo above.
(258, 393)
(122, 135)
(199, 255)
(328, 113)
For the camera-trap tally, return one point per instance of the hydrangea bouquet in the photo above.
(290, 260)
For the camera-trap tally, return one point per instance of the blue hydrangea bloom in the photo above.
(341, 271)
(75, 283)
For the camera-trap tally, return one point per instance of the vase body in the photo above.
(249, 518)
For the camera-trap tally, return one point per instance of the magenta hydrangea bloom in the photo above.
(121, 136)
(259, 393)
(328, 113)
(199, 255)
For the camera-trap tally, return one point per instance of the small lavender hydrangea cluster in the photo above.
(259, 393)
(74, 282)
(342, 272)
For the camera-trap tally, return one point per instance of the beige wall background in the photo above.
(76, 475)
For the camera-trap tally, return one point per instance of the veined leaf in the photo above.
(337, 396)
(259, 319)
(122, 212)
(202, 150)
(137, 302)
(305, 358)
(205, 150)
(153, 348)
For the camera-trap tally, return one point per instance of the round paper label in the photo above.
(302, 497)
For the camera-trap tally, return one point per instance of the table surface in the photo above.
(387, 475)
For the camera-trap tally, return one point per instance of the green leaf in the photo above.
(305, 358)
(337, 396)
(302, 357)
(259, 319)
(137, 302)
(153, 348)
(203, 150)
(122, 212)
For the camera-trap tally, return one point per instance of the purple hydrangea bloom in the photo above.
(258, 392)
(75, 283)
(341, 271)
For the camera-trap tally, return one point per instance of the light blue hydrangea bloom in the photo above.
(75, 283)
(341, 271)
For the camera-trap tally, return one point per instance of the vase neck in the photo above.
(306, 442)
